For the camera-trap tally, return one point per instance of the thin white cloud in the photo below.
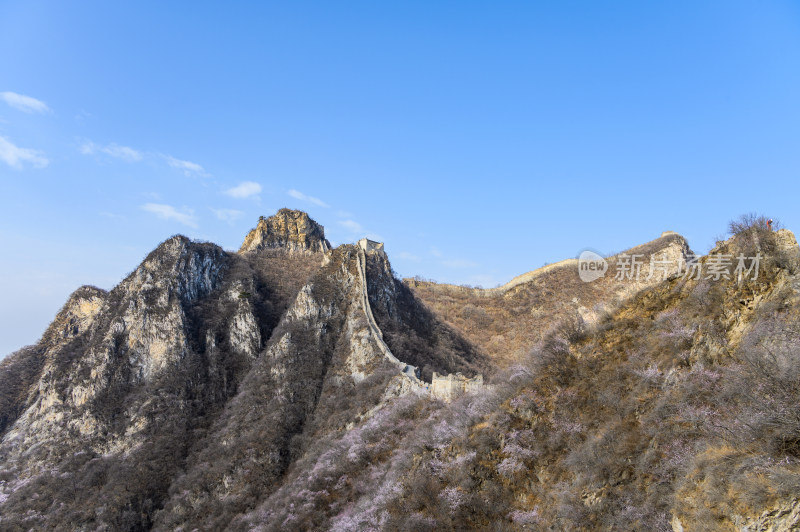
(459, 263)
(131, 155)
(356, 229)
(352, 226)
(435, 252)
(296, 194)
(187, 167)
(88, 148)
(245, 189)
(82, 115)
(24, 103)
(405, 255)
(168, 212)
(227, 215)
(124, 153)
(17, 157)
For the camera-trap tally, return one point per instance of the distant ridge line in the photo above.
(533, 274)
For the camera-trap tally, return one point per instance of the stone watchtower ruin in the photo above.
(371, 246)
(448, 387)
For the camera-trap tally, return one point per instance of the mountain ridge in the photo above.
(289, 386)
(190, 327)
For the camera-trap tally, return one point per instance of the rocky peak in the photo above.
(288, 229)
(77, 314)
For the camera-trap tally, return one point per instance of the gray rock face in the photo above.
(137, 331)
(153, 406)
(324, 350)
(111, 366)
(288, 229)
(77, 315)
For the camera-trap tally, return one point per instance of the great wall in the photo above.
(443, 387)
(520, 279)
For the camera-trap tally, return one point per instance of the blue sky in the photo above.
(479, 140)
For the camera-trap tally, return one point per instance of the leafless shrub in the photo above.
(752, 222)
(764, 387)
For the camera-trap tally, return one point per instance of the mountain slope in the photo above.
(676, 411)
(287, 386)
(130, 392)
(506, 322)
(120, 393)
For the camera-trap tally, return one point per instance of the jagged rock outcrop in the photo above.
(288, 229)
(20, 370)
(119, 339)
(784, 518)
(196, 352)
(325, 367)
(127, 381)
(78, 313)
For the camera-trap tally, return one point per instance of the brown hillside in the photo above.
(508, 321)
